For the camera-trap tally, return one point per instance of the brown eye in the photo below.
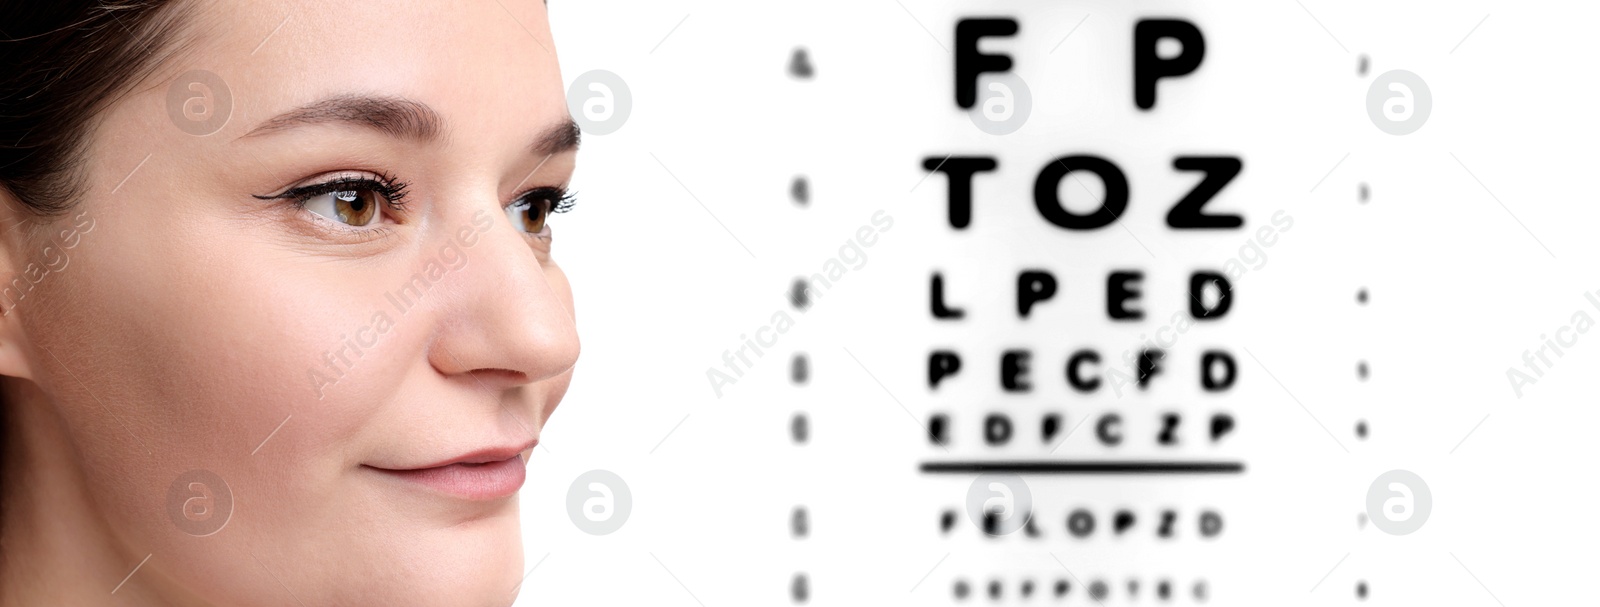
(349, 200)
(529, 213)
(357, 208)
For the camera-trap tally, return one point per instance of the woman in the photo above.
(281, 324)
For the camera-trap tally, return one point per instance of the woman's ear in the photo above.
(16, 227)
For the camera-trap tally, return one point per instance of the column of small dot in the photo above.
(1363, 194)
(801, 70)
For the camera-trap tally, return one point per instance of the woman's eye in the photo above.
(355, 207)
(351, 200)
(529, 213)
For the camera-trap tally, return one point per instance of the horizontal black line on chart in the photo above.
(1082, 467)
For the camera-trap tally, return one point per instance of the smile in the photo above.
(481, 478)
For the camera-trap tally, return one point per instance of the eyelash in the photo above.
(564, 199)
(392, 190)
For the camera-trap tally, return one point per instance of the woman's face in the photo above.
(192, 325)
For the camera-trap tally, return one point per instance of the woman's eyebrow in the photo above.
(393, 116)
(564, 136)
(401, 118)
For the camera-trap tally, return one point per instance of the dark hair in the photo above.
(66, 61)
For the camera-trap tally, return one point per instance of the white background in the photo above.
(1477, 239)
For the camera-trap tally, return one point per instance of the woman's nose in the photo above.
(508, 321)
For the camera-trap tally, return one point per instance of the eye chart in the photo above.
(1078, 303)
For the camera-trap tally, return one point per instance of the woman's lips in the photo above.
(472, 481)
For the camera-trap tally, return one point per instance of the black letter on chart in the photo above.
(1219, 171)
(960, 170)
(1148, 66)
(970, 62)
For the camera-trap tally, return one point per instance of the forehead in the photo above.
(489, 68)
